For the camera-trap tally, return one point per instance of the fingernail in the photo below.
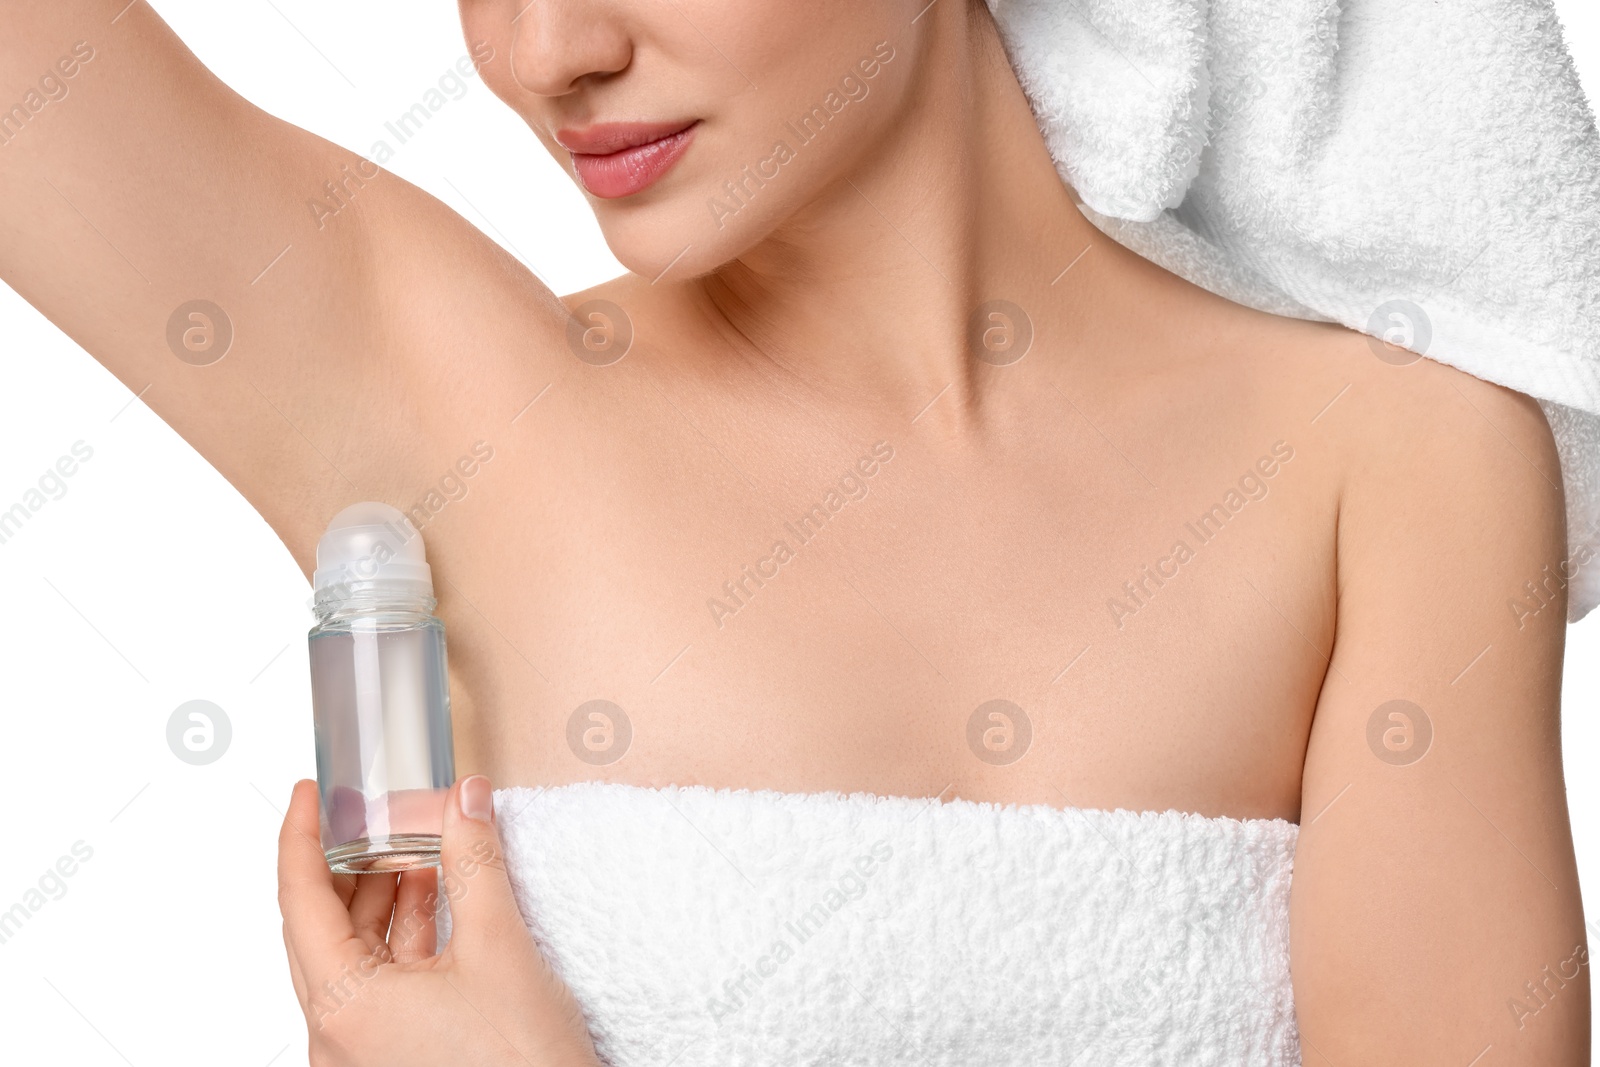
(477, 798)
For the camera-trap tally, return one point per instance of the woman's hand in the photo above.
(372, 986)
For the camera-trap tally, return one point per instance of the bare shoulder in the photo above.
(1428, 450)
(1401, 432)
(1416, 412)
(1443, 490)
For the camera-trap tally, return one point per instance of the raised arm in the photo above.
(250, 281)
(1435, 913)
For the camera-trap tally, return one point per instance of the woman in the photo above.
(901, 283)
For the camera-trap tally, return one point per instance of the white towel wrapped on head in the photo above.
(1425, 172)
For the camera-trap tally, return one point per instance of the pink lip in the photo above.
(615, 159)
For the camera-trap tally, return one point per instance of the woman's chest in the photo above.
(1052, 620)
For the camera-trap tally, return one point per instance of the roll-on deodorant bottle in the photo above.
(379, 694)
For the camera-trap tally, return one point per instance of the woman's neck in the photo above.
(869, 289)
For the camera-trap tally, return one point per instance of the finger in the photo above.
(414, 936)
(371, 907)
(316, 921)
(345, 886)
(484, 917)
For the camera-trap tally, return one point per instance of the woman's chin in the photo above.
(671, 249)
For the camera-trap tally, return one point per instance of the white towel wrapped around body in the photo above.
(1421, 171)
(704, 927)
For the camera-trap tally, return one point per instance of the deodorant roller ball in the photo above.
(380, 694)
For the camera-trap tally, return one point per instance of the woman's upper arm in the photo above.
(1435, 908)
(151, 212)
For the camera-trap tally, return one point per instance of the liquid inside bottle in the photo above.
(384, 754)
(380, 695)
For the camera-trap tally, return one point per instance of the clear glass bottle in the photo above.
(380, 694)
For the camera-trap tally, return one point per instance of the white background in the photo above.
(151, 583)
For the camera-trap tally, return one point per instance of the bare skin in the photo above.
(1406, 505)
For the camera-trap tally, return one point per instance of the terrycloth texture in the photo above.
(1320, 159)
(718, 928)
